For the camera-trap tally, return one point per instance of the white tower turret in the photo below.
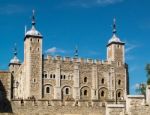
(115, 48)
(33, 61)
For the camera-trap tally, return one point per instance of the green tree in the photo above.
(148, 73)
(141, 89)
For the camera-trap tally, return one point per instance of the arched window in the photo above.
(119, 82)
(64, 77)
(85, 79)
(102, 94)
(85, 92)
(102, 81)
(47, 89)
(67, 91)
(45, 75)
(119, 94)
(61, 77)
(54, 76)
(51, 76)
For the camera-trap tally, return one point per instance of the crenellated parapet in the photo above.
(77, 60)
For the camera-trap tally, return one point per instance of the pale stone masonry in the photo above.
(55, 85)
(65, 78)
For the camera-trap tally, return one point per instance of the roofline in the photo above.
(34, 36)
(14, 64)
(120, 43)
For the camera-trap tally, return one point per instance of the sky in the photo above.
(87, 24)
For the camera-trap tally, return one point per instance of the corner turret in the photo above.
(115, 48)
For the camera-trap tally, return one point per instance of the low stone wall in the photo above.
(115, 109)
(135, 105)
(43, 107)
(134, 101)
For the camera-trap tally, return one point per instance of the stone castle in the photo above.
(47, 85)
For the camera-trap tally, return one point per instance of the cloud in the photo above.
(135, 86)
(130, 47)
(133, 68)
(91, 3)
(106, 2)
(94, 53)
(11, 9)
(55, 50)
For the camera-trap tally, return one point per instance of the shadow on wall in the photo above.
(5, 105)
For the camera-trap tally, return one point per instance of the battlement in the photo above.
(57, 102)
(77, 60)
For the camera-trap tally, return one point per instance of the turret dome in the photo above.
(33, 31)
(114, 38)
(15, 60)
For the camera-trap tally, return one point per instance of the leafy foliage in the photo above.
(148, 73)
(141, 89)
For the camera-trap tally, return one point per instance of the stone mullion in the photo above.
(94, 91)
(57, 88)
(76, 90)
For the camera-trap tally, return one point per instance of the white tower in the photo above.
(115, 48)
(33, 62)
(13, 68)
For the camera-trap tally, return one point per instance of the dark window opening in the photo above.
(51, 76)
(119, 82)
(61, 77)
(45, 75)
(85, 92)
(64, 77)
(47, 90)
(85, 79)
(103, 81)
(119, 94)
(54, 76)
(102, 94)
(67, 90)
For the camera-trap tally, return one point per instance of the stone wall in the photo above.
(5, 91)
(107, 78)
(56, 107)
(5, 83)
(115, 109)
(134, 105)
